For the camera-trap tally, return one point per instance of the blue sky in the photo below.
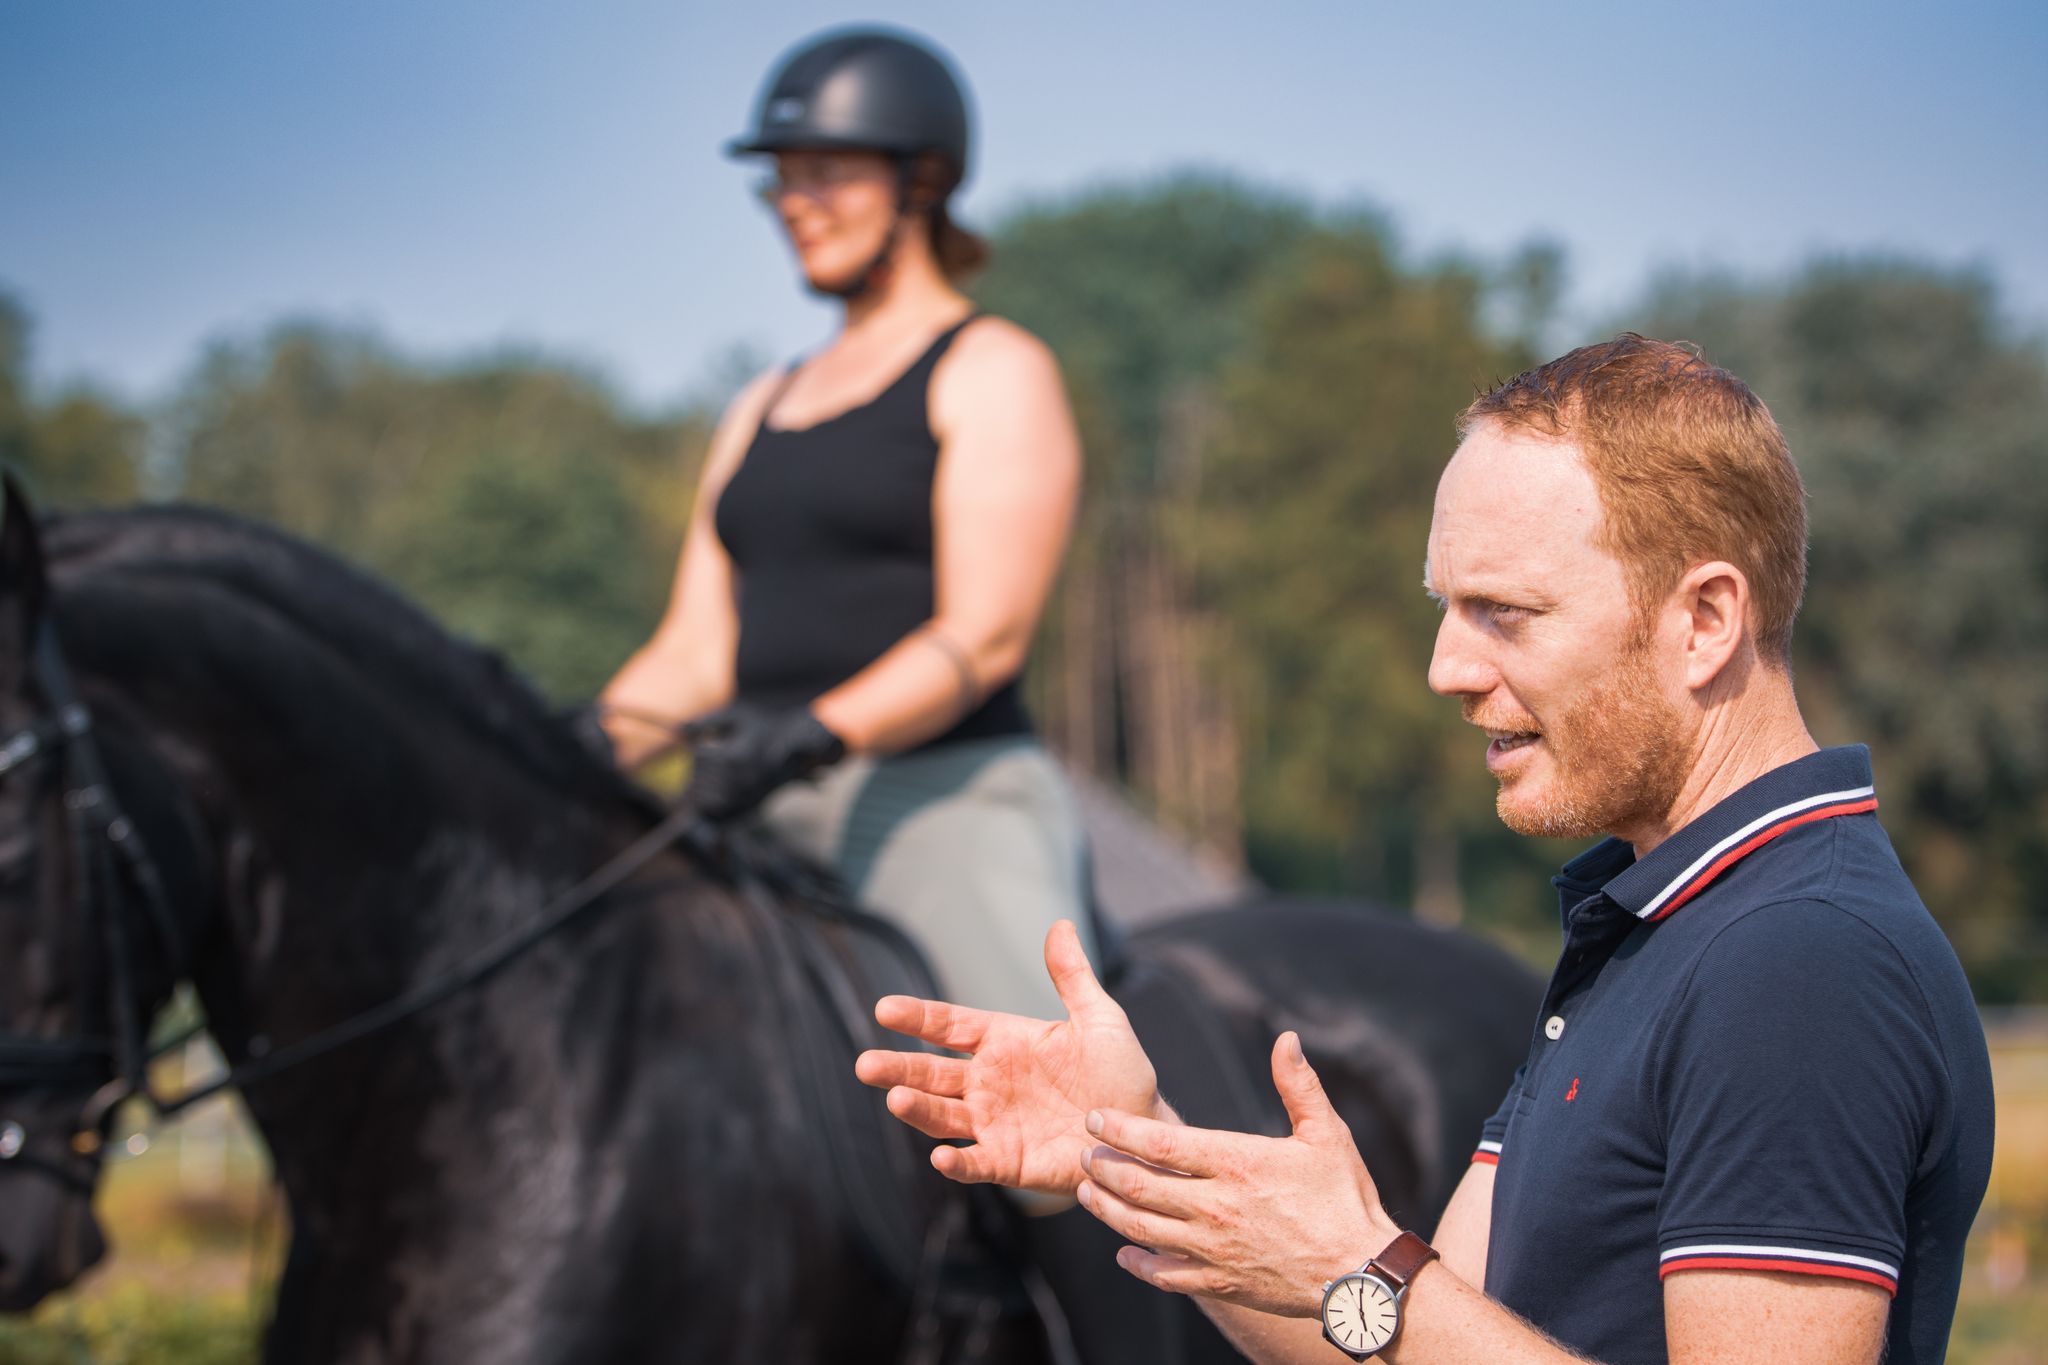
(466, 174)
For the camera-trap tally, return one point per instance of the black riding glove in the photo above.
(742, 753)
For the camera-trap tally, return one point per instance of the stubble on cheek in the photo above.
(1614, 757)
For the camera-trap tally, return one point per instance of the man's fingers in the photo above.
(1143, 1185)
(933, 1115)
(971, 1165)
(1175, 1274)
(1129, 1221)
(935, 1021)
(1175, 1147)
(1068, 966)
(1301, 1090)
(919, 1070)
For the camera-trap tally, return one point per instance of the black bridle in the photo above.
(119, 890)
(111, 871)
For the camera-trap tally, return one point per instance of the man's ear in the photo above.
(24, 586)
(1715, 599)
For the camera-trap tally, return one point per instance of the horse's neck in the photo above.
(339, 894)
(353, 852)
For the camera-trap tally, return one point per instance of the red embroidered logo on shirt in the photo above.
(1572, 1093)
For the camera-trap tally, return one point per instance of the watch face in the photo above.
(1359, 1313)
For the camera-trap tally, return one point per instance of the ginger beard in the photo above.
(1617, 758)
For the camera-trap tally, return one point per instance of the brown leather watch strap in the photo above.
(1404, 1256)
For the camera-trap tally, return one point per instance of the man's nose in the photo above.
(1458, 667)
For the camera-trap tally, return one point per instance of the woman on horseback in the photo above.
(876, 531)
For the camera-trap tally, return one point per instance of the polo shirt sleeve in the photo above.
(1799, 1081)
(1495, 1131)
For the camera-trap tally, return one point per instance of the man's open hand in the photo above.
(1024, 1089)
(1255, 1221)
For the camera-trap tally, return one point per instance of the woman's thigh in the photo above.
(976, 854)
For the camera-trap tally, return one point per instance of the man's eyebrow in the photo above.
(1526, 598)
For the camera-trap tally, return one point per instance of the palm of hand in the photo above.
(1030, 1087)
(1017, 1091)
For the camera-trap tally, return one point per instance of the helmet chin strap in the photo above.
(871, 274)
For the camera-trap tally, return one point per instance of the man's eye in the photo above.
(1503, 614)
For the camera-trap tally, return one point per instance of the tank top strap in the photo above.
(911, 383)
(913, 387)
(944, 340)
(782, 383)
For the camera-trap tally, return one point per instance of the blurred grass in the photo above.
(189, 1281)
(196, 1237)
(2002, 1318)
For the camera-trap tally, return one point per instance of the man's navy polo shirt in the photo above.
(1758, 1052)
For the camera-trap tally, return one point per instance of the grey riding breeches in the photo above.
(974, 848)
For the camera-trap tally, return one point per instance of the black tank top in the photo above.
(830, 529)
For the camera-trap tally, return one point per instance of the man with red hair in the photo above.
(1755, 1120)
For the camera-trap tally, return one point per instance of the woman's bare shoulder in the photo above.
(994, 355)
(744, 411)
(998, 377)
(997, 341)
(736, 425)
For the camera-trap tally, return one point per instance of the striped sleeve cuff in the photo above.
(1725, 1255)
(1488, 1153)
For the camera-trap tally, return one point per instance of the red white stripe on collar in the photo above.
(1749, 839)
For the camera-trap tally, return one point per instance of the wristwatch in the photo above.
(1362, 1310)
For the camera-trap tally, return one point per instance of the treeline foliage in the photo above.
(77, 447)
(1266, 392)
(1917, 423)
(514, 497)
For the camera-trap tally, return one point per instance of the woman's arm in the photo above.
(686, 668)
(1003, 500)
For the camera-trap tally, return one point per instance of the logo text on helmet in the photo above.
(788, 109)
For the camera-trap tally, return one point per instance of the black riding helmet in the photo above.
(872, 90)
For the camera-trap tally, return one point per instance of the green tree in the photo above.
(80, 448)
(1140, 290)
(514, 497)
(1915, 417)
(1266, 394)
(548, 527)
(14, 417)
(1311, 529)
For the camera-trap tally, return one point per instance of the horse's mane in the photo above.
(460, 683)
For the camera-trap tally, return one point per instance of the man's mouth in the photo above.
(1507, 741)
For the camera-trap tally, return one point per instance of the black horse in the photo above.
(640, 1140)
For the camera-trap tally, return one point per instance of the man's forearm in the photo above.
(1271, 1340)
(1444, 1322)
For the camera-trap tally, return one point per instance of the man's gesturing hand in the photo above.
(1260, 1222)
(1025, 1087)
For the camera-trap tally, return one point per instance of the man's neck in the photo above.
(1740, 738)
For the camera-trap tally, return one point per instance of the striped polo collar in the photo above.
(1820, 786)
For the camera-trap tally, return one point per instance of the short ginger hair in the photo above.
(1689, 465)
